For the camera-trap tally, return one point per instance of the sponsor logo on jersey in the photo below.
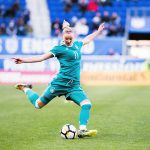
(76, 47)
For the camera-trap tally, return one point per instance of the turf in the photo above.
(120, 114)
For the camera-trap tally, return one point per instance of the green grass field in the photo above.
(120, 114)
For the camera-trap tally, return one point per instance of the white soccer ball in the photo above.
(68, 131)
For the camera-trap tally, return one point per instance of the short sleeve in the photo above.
(54, 51)
(79, 43)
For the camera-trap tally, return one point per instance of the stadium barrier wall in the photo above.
(12, 77)
(88, 63)
(87, 78)
(35, 46)
(95, 68)
(116, 78)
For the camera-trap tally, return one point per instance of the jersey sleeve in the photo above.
(55, 51)
(80, 44)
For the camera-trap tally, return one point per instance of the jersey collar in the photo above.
(63, 43)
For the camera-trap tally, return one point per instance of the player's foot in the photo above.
(21, 86)
(86, 133)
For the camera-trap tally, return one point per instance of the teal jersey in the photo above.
(69, 58)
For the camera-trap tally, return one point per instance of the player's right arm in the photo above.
(33, 59)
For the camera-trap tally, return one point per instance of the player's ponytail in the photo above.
(65, 24)
(66, 27)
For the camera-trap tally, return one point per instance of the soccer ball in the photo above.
(68, 131)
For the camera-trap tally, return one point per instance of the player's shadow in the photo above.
(106, 137)
(113, 136)
(117, 137)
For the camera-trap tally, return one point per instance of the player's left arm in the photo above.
(92, 36)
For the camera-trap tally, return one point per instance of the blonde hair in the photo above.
(66, 27)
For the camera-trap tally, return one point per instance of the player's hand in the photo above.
(17, 60)
(101, 27)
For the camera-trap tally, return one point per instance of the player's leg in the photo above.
(84, 113)
(34, 98)
(84, 117)
(80, 98)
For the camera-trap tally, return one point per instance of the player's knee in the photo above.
(86, 104)
(39, 104)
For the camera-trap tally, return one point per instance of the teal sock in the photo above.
(32, 96)
(85, 114)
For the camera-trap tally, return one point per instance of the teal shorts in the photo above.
(72, 92)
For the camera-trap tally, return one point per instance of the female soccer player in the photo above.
(67, 82)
